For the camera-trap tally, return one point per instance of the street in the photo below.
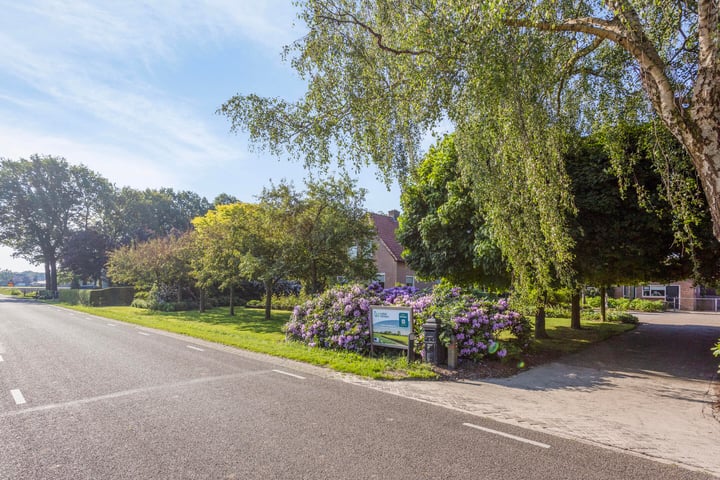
(82, 397)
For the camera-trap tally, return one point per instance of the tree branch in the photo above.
(347, 18)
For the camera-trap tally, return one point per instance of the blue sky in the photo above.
(130, 89)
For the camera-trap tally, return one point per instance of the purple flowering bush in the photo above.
(339, 319)
(478, 327)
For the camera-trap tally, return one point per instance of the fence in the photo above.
(698, 304)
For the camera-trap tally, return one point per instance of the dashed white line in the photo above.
(289, 374)
(17, 396)
(1, 359)
(507, 435)
(111, 325)
(195, 348)
(143, 333)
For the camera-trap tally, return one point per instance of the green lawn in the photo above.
(248, 330)
(564, 340)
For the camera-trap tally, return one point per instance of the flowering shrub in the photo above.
(478, 327)
(339, 319)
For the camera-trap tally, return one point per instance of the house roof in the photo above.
(386, 226)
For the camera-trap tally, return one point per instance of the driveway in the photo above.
(649, 392)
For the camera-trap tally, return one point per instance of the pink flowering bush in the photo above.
(339, 319)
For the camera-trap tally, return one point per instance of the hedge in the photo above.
(103, 297)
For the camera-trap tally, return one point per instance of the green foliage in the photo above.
(514, 80)
(716, 352)
(331, 234)
(617, 241)
(636, 304)
(159, 261)
(289, 302)
(441, 228)
(622, 317)
(339, 319)
(140, 215)
(105, 297)
(249, 330)
(41, 201)
(85, 254)
(662, 215)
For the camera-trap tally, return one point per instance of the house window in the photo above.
(380, 278)
(409, 280)
(653, 291)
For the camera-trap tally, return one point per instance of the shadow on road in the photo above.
(669, 346)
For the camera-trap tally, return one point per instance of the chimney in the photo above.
(395, 214)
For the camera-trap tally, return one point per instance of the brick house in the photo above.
(391, 267)
(682, 295)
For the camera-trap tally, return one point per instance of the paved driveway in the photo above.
(649, 392)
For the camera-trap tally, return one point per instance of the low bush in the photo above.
(642, 305)
(339, 319)
(104, 297)
(622, 317)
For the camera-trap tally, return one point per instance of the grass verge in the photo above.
(250, 331)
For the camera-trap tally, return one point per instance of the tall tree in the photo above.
(244, 241)
(330, 230)
(441, 227)
(217, 238)
(512, 79)
(85, 254)
(41, 201)
(164, 262)
(139, 215)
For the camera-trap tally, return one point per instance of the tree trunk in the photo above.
(575, 311)
(53, 277)
(48, 287)
(540, 331)
(603, 299)
(201, 301)
(232, 301)
(268, 298)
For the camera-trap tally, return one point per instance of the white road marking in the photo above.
(17, 396)
(507, 435)
(111, 325)
(289, 374)
(195, 348)
(143, 333)
(126, 393)
(1, 359)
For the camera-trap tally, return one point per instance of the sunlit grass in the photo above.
(250, 331)
(565, 340)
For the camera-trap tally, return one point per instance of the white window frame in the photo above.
(653, 291)
(380, 277)
(411, 282)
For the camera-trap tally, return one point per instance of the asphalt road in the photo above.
(83, 397)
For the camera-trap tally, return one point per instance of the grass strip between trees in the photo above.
(249, 331)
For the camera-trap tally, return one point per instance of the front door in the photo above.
(672, 296)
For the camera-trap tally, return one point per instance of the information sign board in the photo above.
(390, 326)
